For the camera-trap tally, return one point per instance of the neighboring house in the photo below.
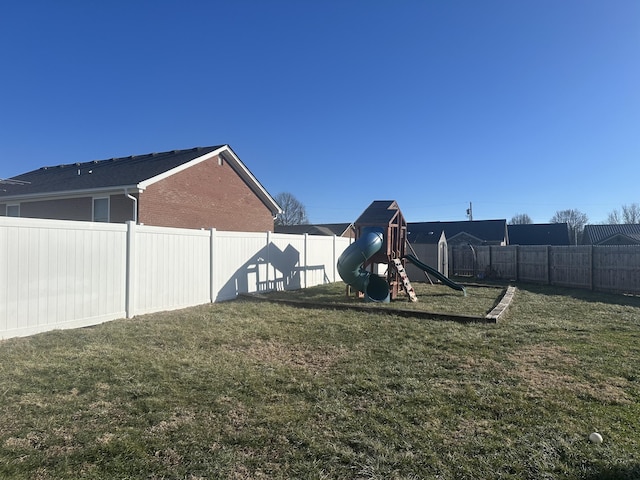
(328, 229)
(474, 232)
(623, 234)
(204, 187)
(539, 234)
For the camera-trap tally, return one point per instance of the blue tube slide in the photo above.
(375, 288)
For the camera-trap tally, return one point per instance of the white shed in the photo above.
(430, 248)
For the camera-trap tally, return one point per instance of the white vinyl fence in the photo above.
(62, 274)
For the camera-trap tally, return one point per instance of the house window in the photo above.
(101, 209)
(13, 210)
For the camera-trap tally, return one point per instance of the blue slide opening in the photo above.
(350, 263)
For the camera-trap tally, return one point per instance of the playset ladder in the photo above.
(405, 280)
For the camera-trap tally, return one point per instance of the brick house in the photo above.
(203, 187)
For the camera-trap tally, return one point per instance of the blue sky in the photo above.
(519, 106)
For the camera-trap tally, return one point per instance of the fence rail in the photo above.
(611, 268)
(63, 274)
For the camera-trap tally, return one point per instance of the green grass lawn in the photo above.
(248, 389)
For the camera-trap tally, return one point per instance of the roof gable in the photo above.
(465, 237)
(599, 234)
(621, 239)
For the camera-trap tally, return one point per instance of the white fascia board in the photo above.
(150, 181)
(248, 177)
(89, 192)
(235, 162)
(466, 234)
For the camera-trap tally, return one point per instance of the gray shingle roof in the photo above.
(430, 237)
(328, 229)
(485, 230)
(596, 234)
(539, 234)
(114, 172)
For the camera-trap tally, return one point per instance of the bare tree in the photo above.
(630, 214)
(613, 218)
(294, 212)
(576, 221)
(520, 219)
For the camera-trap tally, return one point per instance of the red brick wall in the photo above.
(207, 195)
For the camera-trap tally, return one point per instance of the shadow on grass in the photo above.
(583, 295)
(627, 300)
(434, 301)
(616, 472)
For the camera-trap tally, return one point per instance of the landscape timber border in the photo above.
(492, 317)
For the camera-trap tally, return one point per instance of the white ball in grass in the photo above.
(595, 437)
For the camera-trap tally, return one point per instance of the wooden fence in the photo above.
(63, 274)
(602, 268)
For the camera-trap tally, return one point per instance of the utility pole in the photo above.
(470, 212)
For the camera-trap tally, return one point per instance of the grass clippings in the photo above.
(245, 390)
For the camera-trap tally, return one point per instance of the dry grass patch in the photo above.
(246, 390)
(306, 357)
(544, 368)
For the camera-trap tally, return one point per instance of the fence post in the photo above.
(548, 264)
(130, 281)
(335, 260)
(591, 267)
(268, 287)
(212, 265)
(304, 258)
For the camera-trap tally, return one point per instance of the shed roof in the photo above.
(380, 212)
(539, 234)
